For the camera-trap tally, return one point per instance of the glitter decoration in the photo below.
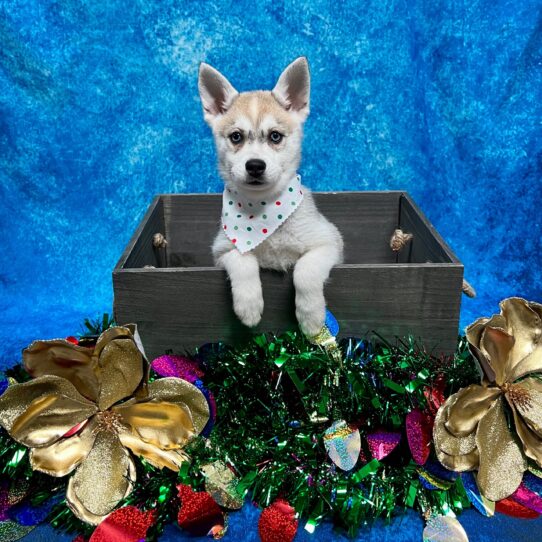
(199, 513)
(483, 505)
(10, 531)
(527, 498)
(127, 524)
(511, 508)
(26, 514)
(327, 337)
(419, 428)
(177, 366)
(381, 443)
(343, 444)
(4, 501)
(221, 483)
(277, 522)
(444, 529)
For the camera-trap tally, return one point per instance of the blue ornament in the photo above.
(483, 505)
(3, 384)
(331, 323)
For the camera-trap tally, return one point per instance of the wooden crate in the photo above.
(183, 301)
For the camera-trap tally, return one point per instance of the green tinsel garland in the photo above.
(275, 397)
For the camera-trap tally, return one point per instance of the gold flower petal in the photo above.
(459, 463)
(470, 406)
(102, 480)
(182, 393)
(532, 445)
(61, 457)
(62, 358)
(39, 412)
(121, 366)
(474, 334)
(162, 424)
(172, 459)
(446, 442)
(502, 462)
(497, 344)
(527, 398)
(524, 324)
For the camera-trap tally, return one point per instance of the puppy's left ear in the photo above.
(293, 87)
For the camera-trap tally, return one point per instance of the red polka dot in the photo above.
(234, 241)
(225, 227)
(264, 230)
(277, 203)
(251, 216)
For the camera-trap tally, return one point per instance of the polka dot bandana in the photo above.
(248, 222)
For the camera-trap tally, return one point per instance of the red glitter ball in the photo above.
(127, 524)
(72, 340)
(508, 507)
(277, 522)
(199, 512)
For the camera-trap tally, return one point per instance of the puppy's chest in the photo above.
(282, 249)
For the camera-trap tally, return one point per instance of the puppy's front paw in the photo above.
(248, 306)
(311, 318)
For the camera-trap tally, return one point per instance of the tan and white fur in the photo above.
(245, 127)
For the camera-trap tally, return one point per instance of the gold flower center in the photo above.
(108, 421)
(519, 395)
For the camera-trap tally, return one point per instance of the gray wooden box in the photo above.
(184, 301)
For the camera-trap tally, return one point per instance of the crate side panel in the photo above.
(183, 309)
(143, 252)
(397, 301)
(426, 245)
(365, 219)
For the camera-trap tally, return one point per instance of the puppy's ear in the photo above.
(215, 91)
(293, 87)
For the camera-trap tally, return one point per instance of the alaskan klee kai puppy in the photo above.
(269, 219)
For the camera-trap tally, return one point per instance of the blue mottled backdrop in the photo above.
(99, 111)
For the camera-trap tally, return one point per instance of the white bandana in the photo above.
(248, 222)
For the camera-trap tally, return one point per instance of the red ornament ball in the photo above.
(199, 514)
(277, 522)
(127, 524)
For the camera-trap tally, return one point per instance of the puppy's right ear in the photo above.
(215, 91)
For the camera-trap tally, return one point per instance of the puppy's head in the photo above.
(257, 134)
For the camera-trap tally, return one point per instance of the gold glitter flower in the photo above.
(86, 406)
(472, 430)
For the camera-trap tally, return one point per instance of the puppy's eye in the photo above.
(236, 138)
(275, 137)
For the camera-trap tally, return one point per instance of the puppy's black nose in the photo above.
(255, 167)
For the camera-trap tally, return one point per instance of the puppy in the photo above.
(269, 219)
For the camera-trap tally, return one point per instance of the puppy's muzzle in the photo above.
(255, 167)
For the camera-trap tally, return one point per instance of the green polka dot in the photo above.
(236, 227)
(249, 229)
(264, 216)
(249, 242)
(250, 204)
(238, 216)
(264, 203)
(279, 217)
(293, 202)
(290, 189)
(230, 202)
(227, 214)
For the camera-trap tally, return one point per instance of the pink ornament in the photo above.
(178, 366)
(382, 443)
(419, 429)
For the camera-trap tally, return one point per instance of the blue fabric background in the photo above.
(99, 111)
